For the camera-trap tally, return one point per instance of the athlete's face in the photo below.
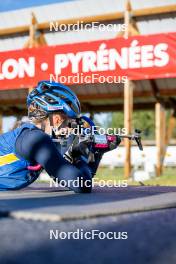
(60, 124)
(58, 119)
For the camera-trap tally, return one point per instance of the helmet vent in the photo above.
(40, 101)
(45, 88)
(50, 100)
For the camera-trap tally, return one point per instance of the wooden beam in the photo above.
(169, 132)
(153, 10)
(88, 107)
(104, 17)
(128, 110)
(35, 40)
(160, 136)
(14, 111)
(132, 27)
(128, 100)
(160, 127)
(32, 32)
(97, 97)
(12, 102)
(137, 94)
(46, 25)
(11, 109)
(94, 97)
(119, 107)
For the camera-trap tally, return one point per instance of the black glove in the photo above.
(78, 148)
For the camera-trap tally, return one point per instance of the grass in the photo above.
(167, 179)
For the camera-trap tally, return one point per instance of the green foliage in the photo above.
(167, 179)
(143, 120)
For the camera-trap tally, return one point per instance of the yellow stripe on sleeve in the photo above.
(8, 159)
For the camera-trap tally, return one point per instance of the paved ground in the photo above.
(147, 214)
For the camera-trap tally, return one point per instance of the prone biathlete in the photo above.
(28, 149)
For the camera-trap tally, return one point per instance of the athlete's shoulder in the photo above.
(24, 127)
(28, 125)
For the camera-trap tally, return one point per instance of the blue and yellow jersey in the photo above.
(13, 169)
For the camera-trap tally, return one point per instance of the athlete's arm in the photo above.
(37, 147)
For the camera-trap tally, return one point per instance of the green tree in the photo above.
(143, 120)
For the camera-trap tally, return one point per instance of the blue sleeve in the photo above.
(37, 147)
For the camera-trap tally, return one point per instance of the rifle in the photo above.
(136, 137)
(89, 144)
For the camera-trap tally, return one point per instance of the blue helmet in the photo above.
(53, 97)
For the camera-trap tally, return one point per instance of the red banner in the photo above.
(139, 57)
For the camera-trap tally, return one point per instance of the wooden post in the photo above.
(128, 103)
(32, 31)
(32, 38)
(127, 18)
(169, 132)
(163, 135)
(128, 109)
(160, 136)
(34, 41)
(171, 125)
